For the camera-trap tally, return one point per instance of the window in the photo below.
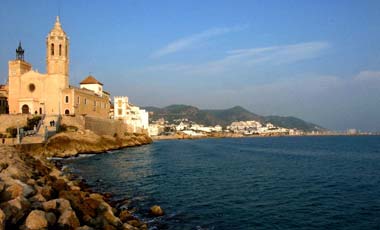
(119, 112)
(60, 50)
(32, 87)
(78, 100)
(52, 49)
(67, 99)
(85, 101)
(66, 50)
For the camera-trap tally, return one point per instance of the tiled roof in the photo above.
(90, 80)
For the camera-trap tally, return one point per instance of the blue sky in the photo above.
(317, 60)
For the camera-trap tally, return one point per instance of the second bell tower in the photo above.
(57, 51)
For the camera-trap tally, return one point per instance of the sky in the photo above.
(316, 60)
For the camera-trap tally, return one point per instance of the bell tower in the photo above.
(57, 51)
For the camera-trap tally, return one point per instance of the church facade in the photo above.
(31, 92)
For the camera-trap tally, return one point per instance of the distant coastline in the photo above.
(187, 137)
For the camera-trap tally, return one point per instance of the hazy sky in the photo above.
(317, 60)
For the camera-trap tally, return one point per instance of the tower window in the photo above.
(67, 99)
(60, 50)
(52, 49)
(66, 50)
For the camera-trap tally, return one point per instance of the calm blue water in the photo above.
(247, 183)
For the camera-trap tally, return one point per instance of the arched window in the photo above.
(60, 50)
(66, 50)
(67, 112)
(52, 49)
(67, 99)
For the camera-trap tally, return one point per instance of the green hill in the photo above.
(224, 117)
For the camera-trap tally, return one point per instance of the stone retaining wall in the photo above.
(77, 121)
(102, 126)
(7, 121)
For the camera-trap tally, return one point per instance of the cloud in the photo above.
(244, 59)
(279, 54)
(187, 42)
(368, 76)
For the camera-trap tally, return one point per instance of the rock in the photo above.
(11, 192)
(125, 215)
(134, 223)
(36, 220)
(59, 204)
(59, 185)
(109, 227)
(37, 198)
(41, 167)
(96, 196)
(2, 186)
(75, 188)
(93, 203)
(128, 227)
(50, 205)
(84, 228)
(51, 218)
(15, 209)
(15, 189)
(68, 220)
(55, 173)
(31, 182)
(156, 210)
(46, 191)
(111, 218)
(2, 220)
(63, 205)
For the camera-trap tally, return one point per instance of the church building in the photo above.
(31, 92)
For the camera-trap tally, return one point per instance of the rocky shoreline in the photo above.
(35, 194)
(68, 144)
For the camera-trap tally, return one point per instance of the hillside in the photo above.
(224, 117)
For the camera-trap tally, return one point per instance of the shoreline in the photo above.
(35, 194)
(187, 137)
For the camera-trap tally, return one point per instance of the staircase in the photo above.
(44, 130)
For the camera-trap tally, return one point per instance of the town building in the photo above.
(31, 92)
(136, 118)
(3, 99)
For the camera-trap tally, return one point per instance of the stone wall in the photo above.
(77, 121)
(7, 121)
(102, 126)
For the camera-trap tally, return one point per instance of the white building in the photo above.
(92, 84)
(136, 118)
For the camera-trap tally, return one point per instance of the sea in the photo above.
(311, 182)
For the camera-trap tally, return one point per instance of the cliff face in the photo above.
(72, 143)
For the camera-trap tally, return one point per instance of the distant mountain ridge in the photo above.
(225, 117)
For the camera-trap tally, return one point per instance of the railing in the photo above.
(58, 123)
(40, 123)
